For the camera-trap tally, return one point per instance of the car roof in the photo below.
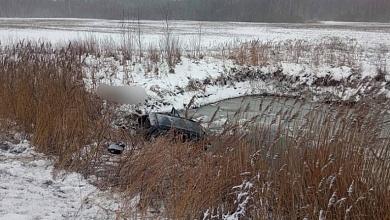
(168, 120)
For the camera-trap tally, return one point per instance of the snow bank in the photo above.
(28, 190)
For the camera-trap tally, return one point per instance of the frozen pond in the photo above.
(270, 111)
(266, 110)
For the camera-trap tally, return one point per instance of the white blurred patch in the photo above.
(122, 94)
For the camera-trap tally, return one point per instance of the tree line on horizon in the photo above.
(203, 10)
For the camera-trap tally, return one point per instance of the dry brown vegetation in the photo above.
(43, 92)
(327, 51)
(334, 165)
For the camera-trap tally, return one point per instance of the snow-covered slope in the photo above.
(28, 190)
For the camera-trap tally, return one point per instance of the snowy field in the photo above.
(213, 33)
(27, 188)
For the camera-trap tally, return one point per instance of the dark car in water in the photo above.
(155, 124)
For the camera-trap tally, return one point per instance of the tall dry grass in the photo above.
(42, 90)
(331, 51)
(333, 165)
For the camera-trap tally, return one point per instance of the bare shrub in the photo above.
(153, 53)
(380, 61)
(195, 85)
(128, 41)
(195, 44)
(170, 47)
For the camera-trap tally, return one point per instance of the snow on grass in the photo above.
(29, 191)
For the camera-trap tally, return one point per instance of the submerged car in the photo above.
(156, 124)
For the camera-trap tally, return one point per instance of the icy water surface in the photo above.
(261, 109)
(269, 110)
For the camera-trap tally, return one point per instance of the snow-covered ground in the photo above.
(29, 191)
(27, 187)
(212, 33)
